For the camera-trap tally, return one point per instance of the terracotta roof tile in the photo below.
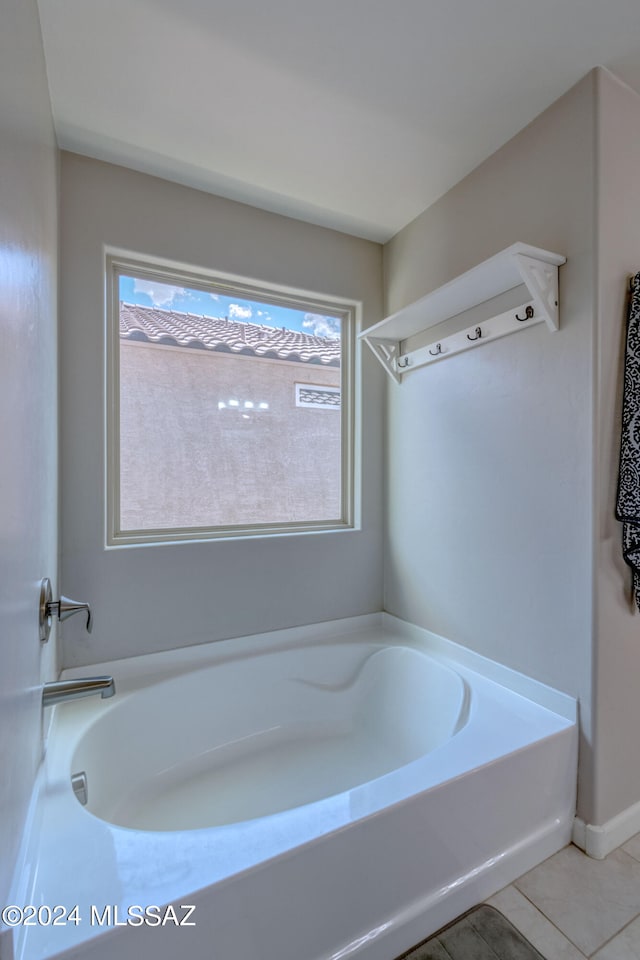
(225, 336)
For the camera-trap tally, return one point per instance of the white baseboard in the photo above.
(598, 841)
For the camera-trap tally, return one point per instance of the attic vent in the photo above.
(317, 397)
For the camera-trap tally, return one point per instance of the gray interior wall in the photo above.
(163, 596)
(617, 774)
(28, 423)
(489, 486)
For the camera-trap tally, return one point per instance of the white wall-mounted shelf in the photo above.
(520, 264)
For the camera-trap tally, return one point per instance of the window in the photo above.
(230, 407)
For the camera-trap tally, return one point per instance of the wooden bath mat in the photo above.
(481, 934)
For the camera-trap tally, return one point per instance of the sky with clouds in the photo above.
(152, 293)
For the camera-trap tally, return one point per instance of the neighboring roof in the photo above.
(151, 325)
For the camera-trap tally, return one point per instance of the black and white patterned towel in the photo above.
(628, 500)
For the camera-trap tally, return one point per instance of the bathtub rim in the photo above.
(151, 668)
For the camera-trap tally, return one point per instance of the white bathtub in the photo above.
(338, 791)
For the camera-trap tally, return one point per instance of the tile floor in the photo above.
(572, 907)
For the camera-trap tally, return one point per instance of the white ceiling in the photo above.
(354, 114)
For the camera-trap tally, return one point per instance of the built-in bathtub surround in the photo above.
(266, 780)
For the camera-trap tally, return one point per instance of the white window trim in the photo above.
(349, 311)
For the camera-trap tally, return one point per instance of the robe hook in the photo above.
(438, 349)
(478, 335)
(403, 362)
(528, 313)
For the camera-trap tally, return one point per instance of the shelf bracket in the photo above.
(541, 280)
(387, 351)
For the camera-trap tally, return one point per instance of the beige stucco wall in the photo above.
(184, 462)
